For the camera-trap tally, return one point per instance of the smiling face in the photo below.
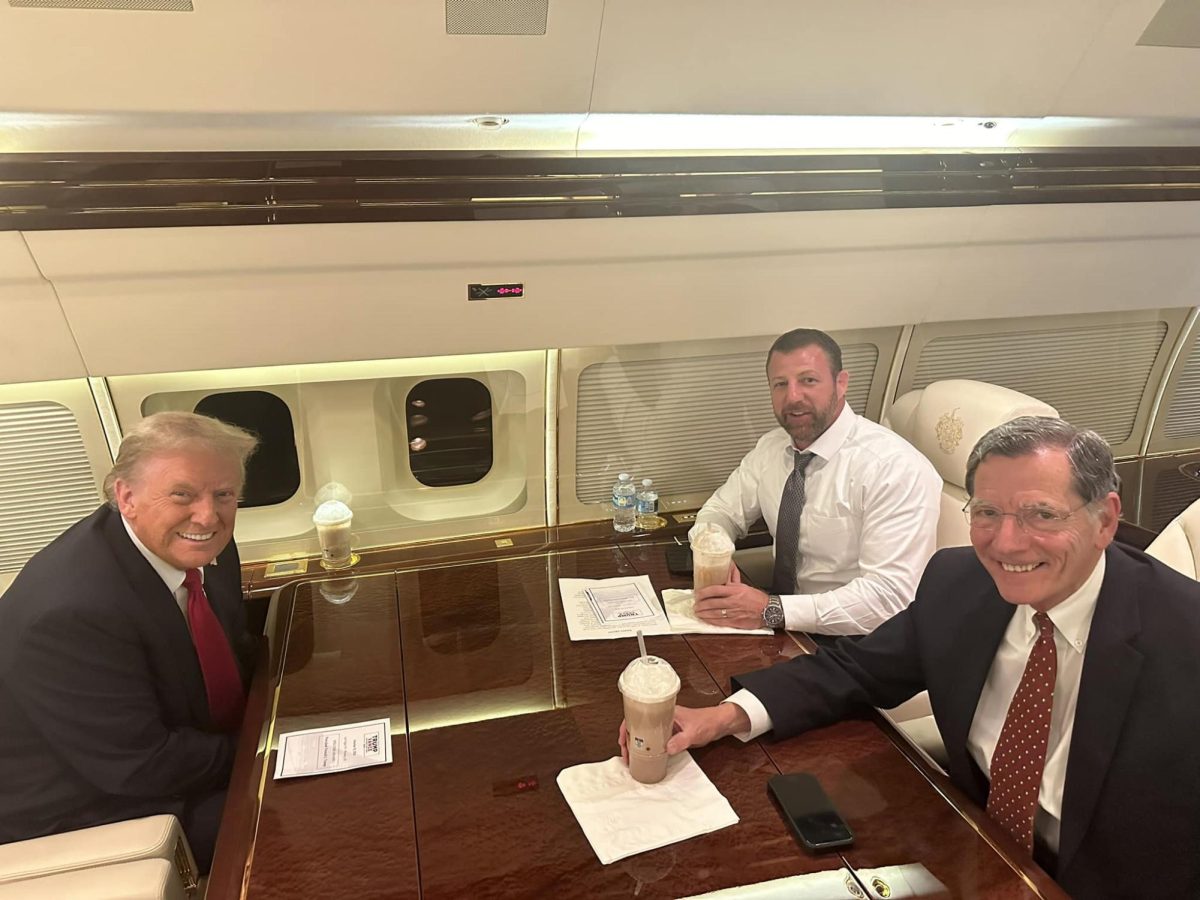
(1039, 569)
(182, 505)
(805, 392)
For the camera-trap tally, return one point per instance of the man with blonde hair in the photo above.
(123, 645)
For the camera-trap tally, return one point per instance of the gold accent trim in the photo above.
(276, 568)
(949, 431)
(183, 865)
(267, 738)
(355, 559)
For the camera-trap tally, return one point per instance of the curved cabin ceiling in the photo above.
(268, 60)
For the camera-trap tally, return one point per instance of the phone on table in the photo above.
(679, 559)
(809, 812)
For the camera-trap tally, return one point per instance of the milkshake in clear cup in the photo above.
(648, 686)
(333, 518)
(712, 556)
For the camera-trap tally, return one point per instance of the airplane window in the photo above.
(273, 472)
(449, 424)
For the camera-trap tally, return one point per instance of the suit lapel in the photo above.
(981, 628)
(155, 603)
(1111, 666)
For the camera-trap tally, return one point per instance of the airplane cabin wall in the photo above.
(330, 316)
(36, 343)
(135, 299)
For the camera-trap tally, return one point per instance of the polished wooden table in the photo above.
(489, 700)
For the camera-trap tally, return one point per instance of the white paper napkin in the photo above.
(679, 606)
(621, 817)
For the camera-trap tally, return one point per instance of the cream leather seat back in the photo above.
(1178, 545)
(944, 421)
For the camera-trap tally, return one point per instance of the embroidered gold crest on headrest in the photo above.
(949, 431)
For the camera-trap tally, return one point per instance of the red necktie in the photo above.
(222, 681)
(1020, 756)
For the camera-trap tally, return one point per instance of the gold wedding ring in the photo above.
(724, 613)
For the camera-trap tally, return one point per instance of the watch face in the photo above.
(773, 614)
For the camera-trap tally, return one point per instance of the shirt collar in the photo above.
(171, 576)
(834, 436)
(1073, 617)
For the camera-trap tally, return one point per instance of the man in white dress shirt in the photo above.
(869, 505)
(1045, 643)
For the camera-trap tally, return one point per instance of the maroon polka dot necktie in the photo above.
(1020, 756)
(222, 681)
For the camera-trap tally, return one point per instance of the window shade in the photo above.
(46, 483)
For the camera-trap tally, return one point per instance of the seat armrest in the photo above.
(152, 837)
(142, 879)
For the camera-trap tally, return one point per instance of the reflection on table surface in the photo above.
(489, 700)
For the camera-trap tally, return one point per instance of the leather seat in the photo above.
(141, 858)
(142, 879)
(1178, 545)
(944, 421)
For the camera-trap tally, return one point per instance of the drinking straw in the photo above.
(642, 643)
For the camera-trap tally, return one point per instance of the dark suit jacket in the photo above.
(103, 713)
(1131, 803)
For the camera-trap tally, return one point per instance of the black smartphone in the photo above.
(809, 812)
(679, 559)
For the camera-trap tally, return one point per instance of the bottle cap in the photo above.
(646, 482)
(624, 476)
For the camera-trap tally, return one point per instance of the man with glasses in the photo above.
(1063, 670)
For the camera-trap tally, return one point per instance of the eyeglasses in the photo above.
(1035, 519)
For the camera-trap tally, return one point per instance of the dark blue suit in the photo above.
(1131, 804)
(103, 713)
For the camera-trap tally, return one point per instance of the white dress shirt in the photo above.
(1072, 620)
(171, 576)
(868, 527)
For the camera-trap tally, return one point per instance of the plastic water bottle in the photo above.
(624, 503)
(647, 506)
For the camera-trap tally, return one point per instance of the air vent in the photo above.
(496, 16)
(145, 5)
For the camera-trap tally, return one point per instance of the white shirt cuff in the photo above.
(760, 719)
(799, 612)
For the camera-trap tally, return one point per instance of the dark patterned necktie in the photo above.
(787, 528)
(222, 682)
(1020, 756)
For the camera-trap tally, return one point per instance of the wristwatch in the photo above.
(773, 615)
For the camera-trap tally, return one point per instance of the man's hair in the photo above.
(172, 432)
(808, 337)
(1093, 474)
